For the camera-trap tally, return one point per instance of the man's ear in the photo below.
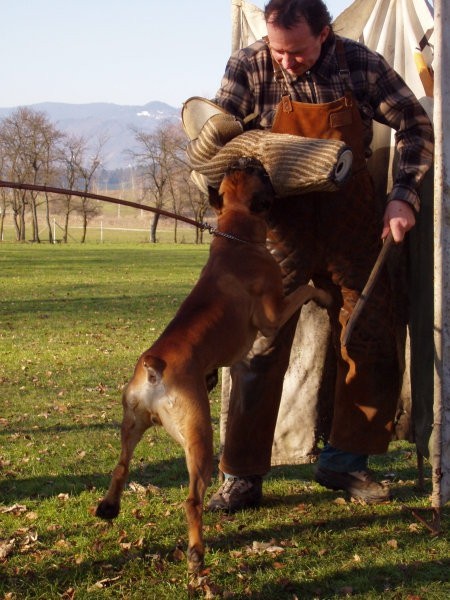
(215, 199)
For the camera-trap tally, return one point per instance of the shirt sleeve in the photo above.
(235, 94)
(397, 107)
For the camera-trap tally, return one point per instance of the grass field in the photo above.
(73, 320)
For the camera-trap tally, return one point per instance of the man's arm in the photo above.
(401, 110)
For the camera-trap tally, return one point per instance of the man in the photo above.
(305, 80)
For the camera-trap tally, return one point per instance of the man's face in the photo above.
(296, 49)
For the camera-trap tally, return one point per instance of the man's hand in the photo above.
(399, 218)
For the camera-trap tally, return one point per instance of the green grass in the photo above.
(73, 320)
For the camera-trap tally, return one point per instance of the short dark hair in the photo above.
(287, 13)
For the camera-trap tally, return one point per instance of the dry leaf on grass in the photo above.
(103, 583)
(340, 501)
(15, 509)
(144, 490)
(347, 590)
(178, 554)
(261, 547)
(137, 488)
(7, 547)
(30, 538)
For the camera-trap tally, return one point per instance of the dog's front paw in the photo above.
(323, 298)
(195, 559)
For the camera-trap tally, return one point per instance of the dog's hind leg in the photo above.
(134, 425)
(198, 449)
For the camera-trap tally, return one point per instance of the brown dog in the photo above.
(238, 294)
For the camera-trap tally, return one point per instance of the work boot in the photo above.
(359, 484)
(237, 493)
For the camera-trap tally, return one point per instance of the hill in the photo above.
(106, 120)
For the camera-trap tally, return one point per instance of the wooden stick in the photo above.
(388, 243)
(436, 519)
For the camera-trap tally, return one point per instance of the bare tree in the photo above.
(3, 195)
(158, 160)
(29, 141)
(72, 153)
(199, 204)
(178, 173)
(2, 212)
(186, 195)
(86, 170)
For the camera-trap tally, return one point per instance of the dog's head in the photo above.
(246, 185)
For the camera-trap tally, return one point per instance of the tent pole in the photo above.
(440, 439)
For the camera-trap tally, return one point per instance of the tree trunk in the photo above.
(47, 216)
(34, 218)
(85, 222)
(153, 228)
(66, 224)
(22, 223)
(16, 225)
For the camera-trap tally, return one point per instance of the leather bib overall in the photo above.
(332, 239)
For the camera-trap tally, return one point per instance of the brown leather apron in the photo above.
(332, 239)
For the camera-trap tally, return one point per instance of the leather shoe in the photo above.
(359, 484)
(237, 493)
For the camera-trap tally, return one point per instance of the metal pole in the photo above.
(440, 440)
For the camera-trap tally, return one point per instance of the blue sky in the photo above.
(121, 51)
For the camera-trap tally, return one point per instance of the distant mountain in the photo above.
(106, 120)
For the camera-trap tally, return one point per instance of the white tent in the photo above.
(411, 38)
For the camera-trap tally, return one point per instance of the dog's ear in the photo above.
(215, 198)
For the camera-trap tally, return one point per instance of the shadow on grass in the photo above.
(58, 428)
(153, 564)
(381, 581)
(169, 473)
(71, 307)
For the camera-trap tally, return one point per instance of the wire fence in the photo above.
(110, 231)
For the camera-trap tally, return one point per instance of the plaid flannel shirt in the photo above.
(249, 86)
